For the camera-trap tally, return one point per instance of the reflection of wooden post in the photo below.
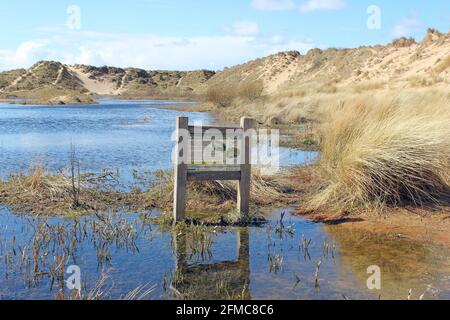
(243, 200)
(180, 252)
(180, 169)
(243, 246)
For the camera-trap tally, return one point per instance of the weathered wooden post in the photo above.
(243, 200)
(192, 166)
(181, 160)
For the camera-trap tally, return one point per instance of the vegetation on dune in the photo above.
(385, 151)
(442, 65)
(221, 97)
(7, 77)
(53, 96)
(225, 96)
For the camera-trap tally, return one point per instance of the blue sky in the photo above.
(212, 34)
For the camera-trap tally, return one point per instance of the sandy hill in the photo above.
(134, 82)
(54, 82)
(45, 82)
(402, 61)
(290, 88)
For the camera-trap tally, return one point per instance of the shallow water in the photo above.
(236, 265)
(132, 136)
(260, 262)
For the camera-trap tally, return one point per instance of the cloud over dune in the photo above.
(150, 51)
(305, 7)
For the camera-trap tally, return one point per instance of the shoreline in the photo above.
(423, 225)
(94, 99)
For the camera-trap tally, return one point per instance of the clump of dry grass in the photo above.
(443, 65)
(203, 195)
(425, 81)
(385, 151)
(40, 192)
(368, 86)
(252, 90)
(221, 96)
(404, 42)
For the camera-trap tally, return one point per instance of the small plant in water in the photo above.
(316, 275)
(304, 247)
(275, 263)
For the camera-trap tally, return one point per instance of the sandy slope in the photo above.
(94, 86)
(396, 64)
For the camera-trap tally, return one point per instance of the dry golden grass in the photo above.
(266, 191)
(252, 90)
(221, 96)
(368, 86)
(385, 150)
(443, 65)
(40, 192)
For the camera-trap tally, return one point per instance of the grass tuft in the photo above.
(382, 152)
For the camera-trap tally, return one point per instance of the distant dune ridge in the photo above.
(47, 81)
(399, 61)
(403, 63)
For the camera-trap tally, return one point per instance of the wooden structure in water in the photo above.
(212, 153)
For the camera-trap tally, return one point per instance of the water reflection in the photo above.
(246, 263)
(219, 280)
(130, 136)
(200, 262)
(406, 265)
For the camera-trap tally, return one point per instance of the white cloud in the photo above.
(315, 5)
(244, 28)
(407, 27)
(27, 53)
(149, 51)
(308, 6)
(273, 5)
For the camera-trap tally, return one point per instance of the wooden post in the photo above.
(180, 180)
(243, 201)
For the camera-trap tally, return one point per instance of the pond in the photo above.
(131, 136)
(286, 258)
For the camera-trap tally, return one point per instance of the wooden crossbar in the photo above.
(223, 130)
(186, 171)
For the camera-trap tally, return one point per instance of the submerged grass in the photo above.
(40, 192)
(43, 258)
(70, 193)
(220, 196)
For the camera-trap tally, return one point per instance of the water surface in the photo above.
(284, 259)
(115, 134)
